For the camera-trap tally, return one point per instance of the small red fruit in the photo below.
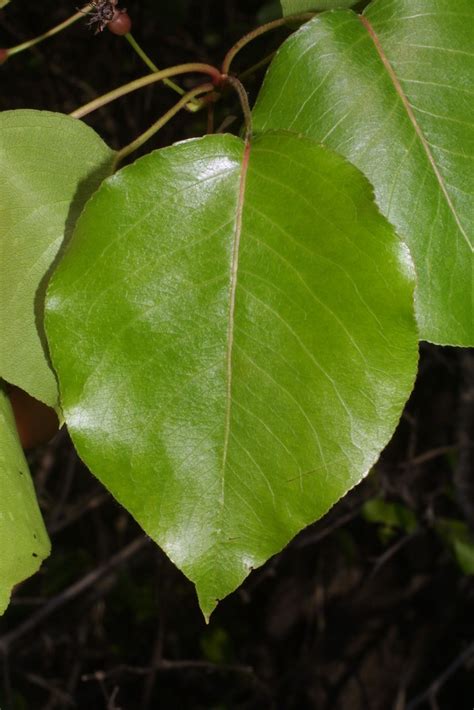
(36, 422)
(3, 55)
(121, 24)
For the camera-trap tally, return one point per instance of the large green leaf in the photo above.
(234, 336)
(23, 538)
(393, 91)
(49, 166)
(292, 7)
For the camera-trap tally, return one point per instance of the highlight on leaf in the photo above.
(230, 357)
(390, 90)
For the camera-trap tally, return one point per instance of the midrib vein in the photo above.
(399, 89)
(234, 268)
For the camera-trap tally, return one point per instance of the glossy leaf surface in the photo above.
(49, 166)
(393, 91)
(233, 332)
(293, 7)
(23, 538)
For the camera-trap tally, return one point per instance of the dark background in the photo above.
(353, 614)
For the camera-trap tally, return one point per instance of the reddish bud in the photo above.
(121, 24)
(3, 55)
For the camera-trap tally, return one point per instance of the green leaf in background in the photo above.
(393, 516)
(270, 11)
(393, 92)
(49, 166)
(3, 3)
(457, 536)
(23, 538)
(234, 337)
(293, 7)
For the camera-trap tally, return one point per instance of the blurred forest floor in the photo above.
(371, 608)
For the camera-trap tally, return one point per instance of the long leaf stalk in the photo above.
(192, 68)
(258, 32)
(244, 102)
(162, 121)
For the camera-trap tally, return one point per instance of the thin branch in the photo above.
(49, 33)
(463, 479)
(71, 593)
(433, 690)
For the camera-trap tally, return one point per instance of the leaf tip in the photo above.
(207, 605)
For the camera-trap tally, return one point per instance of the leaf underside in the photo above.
(392, 90)
(49, 166)
(233, 332)
(24, 541)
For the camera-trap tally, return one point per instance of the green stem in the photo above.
(144, 56)
(50, 33)
(246, 39)
(146, 135)
(193, 106)
(146, 81)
